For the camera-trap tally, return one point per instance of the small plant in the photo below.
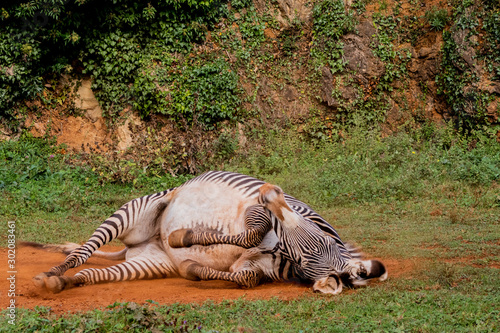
(225, 146)
(394, 60)
(319, 129)
(443, 274)
(239, 4)
(252, 29)
(437, 18)
(288, 41)
(383, 5)
(455, 216)
(491, 51)
(142, 317)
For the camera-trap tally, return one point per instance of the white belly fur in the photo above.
(206, 206)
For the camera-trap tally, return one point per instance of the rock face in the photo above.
(289, 11)
(327, 87)
(124, 133)
(424, 62)
(345, 93)
(362, 66)
(86, 101)
(467, 52)
(78, 132)
(281, 90)
(358, 54)
(88, 131)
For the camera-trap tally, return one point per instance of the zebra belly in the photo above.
(206, 206)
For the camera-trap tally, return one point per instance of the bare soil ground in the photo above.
(30, 262)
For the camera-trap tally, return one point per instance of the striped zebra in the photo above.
(219, 225)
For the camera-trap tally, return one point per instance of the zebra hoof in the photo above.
(187, 269)
(181, 238)
(56, 284)
(39, 280)
(328, 285)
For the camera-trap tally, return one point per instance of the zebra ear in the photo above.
(375, 269)
(328, 285)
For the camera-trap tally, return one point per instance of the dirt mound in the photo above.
(30, 262)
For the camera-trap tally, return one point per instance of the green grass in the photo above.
(400, 305)
(52, 199)
(432, 201)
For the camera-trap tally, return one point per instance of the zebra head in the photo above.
(356, 274)
(361, 271)
(316, 254)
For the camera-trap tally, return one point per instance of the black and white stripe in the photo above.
(313, 249)
(249, 186)
(125, 220)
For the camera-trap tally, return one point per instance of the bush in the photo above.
(467, 105)
(110, 41)
(365, 168)
(206, 93)
(437, 18)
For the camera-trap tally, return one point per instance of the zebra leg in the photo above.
(133, 223)
(192, 270)
(152, 263)
(256, 221)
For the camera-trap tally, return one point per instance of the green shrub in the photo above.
(330, 22)
(365, 168)
(395, 61)
(437, 18)
(37, 175)
(467, 105)
(112, 61)
(491, 51)
(206, 92)
(19, 76)
(29, 159)
(35, 171)
(110, 41)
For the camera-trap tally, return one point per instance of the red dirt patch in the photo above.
(30, 262)
(399, 267)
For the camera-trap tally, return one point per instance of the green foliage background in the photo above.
(118, 44)
(144, 54)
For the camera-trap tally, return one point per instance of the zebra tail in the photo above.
(68, 247)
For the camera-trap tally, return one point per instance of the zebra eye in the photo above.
(362, 271)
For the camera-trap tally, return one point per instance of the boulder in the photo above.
(124, 133)
(288, 11)
(360, 58)
(86, 101)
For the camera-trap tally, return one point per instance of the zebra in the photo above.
(219, 225)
